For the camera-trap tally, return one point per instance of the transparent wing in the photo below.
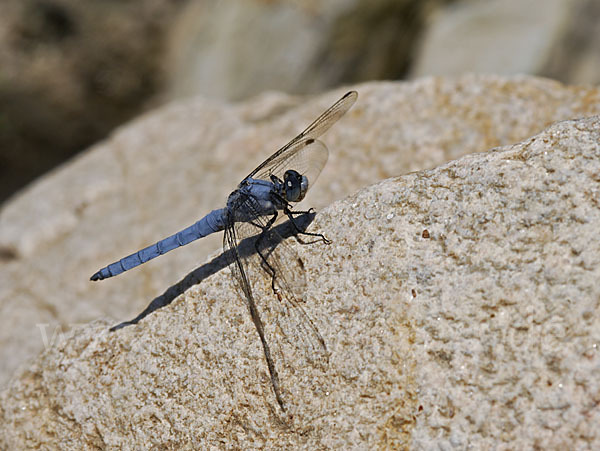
(312, 132)
(260, 262)
(308, 157)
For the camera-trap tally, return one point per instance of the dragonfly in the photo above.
(251, 211)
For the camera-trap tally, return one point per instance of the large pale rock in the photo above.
(170, 167)
(495, 36)
(233, 50)
(559, 39)
(575, 58)
(459, 306)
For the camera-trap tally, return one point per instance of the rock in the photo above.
(458, 304)
(170, 167)
(553, 38)
(233, 50)
(71, 71)
(575, 58)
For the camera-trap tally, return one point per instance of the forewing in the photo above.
(308, 157)
(313, 131)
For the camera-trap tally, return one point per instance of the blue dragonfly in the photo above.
(247, 220)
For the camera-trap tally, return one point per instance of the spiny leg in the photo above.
(257, 245)
(266, 265)
(290, 214)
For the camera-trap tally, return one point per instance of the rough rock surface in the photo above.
(459, 306)
(167, 169)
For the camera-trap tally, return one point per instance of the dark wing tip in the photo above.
(346, 102)
(350, 94)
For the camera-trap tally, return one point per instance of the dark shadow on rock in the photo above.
(246, 248)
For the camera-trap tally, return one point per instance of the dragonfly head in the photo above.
(294, 185)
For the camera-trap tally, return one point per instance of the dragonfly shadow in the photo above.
(246, 248)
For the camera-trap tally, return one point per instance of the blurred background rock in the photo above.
(72, 70)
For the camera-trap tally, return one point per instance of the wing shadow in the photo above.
(245, 249)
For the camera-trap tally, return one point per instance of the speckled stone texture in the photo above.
(167, 169)
(458, 304)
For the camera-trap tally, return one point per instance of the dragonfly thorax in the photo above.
(294, 186)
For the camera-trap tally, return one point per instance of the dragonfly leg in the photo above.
(290, 214)
(257, 245)
(265, 264)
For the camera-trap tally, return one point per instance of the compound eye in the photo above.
(295, 186)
